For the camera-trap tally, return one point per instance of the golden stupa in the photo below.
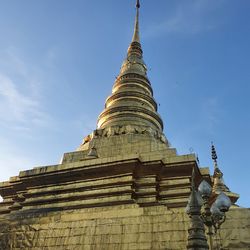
(123, 188)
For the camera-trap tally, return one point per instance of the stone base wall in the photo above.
(118, 227)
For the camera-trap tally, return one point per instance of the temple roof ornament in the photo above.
(218, 181)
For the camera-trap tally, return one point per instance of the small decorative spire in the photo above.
(138, 4)
(214, 155)
(92, 152)
(198, 160)
(218, 180)
(136, 37)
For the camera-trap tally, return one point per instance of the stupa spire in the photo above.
(136, 36)
(131, 102)
(130, 114)
(218, 180)
(218, 183)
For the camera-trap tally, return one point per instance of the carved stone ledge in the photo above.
(126, 129)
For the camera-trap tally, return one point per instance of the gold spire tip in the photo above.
(138, 4)
(136, 37)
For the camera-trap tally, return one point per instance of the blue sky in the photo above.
(59, 59)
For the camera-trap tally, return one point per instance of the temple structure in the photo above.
(123, 188)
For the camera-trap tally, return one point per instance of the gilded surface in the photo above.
(131, 101)
(121, 227)
(124, 188)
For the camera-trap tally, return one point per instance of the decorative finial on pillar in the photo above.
(196, 230)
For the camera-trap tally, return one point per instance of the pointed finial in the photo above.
(138, 4)
(194, 203)
(198, 160)
(92, 152)
(214, 155)
(196, 230)
(136, 37)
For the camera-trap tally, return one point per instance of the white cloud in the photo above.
(20, 93)
(189, 17)
(14, 104)
(17, 107)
